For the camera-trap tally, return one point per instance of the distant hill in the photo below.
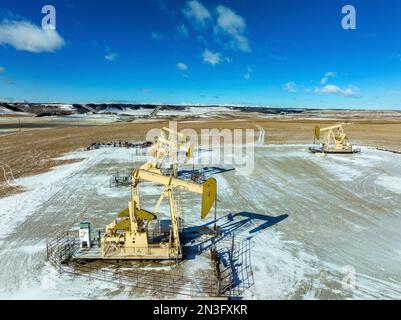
(59, 109)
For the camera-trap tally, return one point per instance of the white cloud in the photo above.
(350, 91)
(229, 21)
(197, 14)
(248, 74)
(25, 36)
(182, 66)
(327, 77)
(110, 56)
(2, 69)
(233, 26)
(211, 58)
(290, 87)
(156, 36)
(182, 31)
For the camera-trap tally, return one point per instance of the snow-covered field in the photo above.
(199, 111)
(5, 111)
(312, 221)
(188, 111)
(97, 118)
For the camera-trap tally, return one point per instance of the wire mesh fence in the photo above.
(231, 276)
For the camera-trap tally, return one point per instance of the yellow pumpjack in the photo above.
(128, 237)
(335, 141)
(166, 147)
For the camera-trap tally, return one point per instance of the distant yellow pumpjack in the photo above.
(335, 140)
(166, 148)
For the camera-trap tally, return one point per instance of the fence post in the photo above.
(232, 248)
(47, 251)
(219, 285)
(231, 264)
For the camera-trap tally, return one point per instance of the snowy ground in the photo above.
(310, 219)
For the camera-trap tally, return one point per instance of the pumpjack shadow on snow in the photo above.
(250, 217)
(233, 244)
(208, 172)
(228, 226)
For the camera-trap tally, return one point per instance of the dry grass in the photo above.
(35, 151)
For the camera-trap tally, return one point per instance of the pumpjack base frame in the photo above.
(96, 254)
(321, 150)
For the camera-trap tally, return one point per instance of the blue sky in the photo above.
(286, 53)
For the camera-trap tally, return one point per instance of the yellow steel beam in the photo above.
(208, 190)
